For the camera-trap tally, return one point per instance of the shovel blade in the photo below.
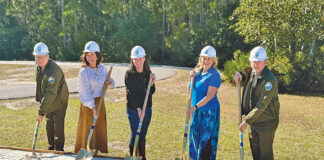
(89, 155)
(132, 158)
(81, 154)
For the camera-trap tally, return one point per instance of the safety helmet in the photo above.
(208, 51)
(40, 49)
(258, 54)
(91, 46)
(138, 52)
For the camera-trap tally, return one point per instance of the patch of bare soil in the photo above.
(16, 104)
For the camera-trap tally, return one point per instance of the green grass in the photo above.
(300, 134)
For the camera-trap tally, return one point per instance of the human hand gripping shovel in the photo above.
(240, 120)
(88, 154)
(185, 135)
(138, 132)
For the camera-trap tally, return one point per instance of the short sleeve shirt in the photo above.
(201, 84)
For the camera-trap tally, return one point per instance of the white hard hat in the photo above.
(138, 52)
(258, 54)
(40, 49)
(208, 51)
(91, 46)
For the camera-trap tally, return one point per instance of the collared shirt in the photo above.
(90, 84)
(261, 105)
(51, 89)
(136, 87)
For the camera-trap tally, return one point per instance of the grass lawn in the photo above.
(300, 134)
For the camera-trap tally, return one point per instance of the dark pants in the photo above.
(55, 129)
(261, 144)
(133, 119)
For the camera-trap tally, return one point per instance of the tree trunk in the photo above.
(63, 26)
(131, 9)
(201, 19)
(163, 28)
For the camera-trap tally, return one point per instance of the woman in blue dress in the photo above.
(205, 110)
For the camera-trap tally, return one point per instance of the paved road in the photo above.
(28, 89)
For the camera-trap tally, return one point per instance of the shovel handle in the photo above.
(240, 120)
(138, 132)
(35, 137)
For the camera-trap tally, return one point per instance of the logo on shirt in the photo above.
(268, 86)
(51, 79)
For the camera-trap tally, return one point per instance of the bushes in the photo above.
(240, 61)
(304, 74)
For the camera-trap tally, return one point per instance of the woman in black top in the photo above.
(136, 81)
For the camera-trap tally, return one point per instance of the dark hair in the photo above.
(84, 61)
(146, 67)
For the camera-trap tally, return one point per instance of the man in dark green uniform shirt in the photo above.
(260, 104)
(53, 95)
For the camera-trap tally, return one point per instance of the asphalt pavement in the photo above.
(28, 89)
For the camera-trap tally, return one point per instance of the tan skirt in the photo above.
(99, 136)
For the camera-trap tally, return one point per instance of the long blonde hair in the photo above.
(200, 64)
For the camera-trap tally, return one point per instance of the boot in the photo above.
(142, 149)
(131, 148)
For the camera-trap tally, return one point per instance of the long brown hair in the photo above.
(200, 64)
(146, 67)
(84, 61)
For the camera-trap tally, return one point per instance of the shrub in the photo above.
(240, 61)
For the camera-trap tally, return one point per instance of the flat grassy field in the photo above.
(300, 134)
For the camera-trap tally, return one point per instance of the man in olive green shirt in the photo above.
(260, 104)
(53, 95)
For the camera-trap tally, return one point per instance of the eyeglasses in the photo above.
(41, 58)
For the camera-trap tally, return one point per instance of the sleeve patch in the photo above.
(51, 79)
(268, 86)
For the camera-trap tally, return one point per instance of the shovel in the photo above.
(34, 155)
(88, 154)
(132, 157)
(185, 135)
(240, 120)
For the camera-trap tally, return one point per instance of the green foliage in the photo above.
(119, 25)
(304, 75)
(238, 64)
(292, 32)
(137, 30)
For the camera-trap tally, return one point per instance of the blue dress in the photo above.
(204, 125)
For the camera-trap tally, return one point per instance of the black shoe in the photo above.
(131, 148)
(51, 148)
(60, 149)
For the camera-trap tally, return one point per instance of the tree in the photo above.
(292, 32)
